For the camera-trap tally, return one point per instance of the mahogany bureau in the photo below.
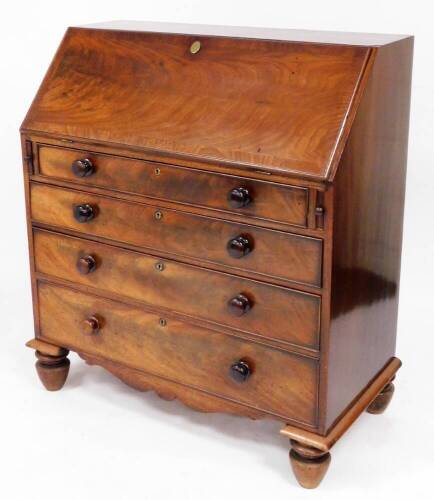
(216, 214)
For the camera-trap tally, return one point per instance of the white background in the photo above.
(99, 439)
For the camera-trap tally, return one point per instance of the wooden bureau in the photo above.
(216, 213)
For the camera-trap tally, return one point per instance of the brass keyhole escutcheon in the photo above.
(162, 322)
(159, 266)
(195, 47)
(157, 171)
(158, 215)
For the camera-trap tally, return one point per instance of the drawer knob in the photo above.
(82, 168)
(86, 265)
(240, 246)
(239, 305)
(239, 197)
(240, 371)
(91, 325)
(84, 212)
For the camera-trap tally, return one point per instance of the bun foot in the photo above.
(381, 402)
(52, 370)
(52, 365)
(308, 464)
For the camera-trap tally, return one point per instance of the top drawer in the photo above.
(238, 195)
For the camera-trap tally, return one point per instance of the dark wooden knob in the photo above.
(239, 197)
(82, 168)
(86, 265)
(240, 246)
(84, 212)
(239, 305)
(240, 371)
(91, 325)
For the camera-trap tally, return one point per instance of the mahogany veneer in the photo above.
(216, 214)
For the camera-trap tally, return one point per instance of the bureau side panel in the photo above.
(367, 235)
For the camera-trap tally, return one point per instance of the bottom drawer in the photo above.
(277, 382)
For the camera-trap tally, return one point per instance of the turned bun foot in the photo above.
(52, 370)
(381, 402)
(308, 464)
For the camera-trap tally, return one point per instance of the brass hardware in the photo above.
(157, 171)
(159, 266)
(195, 47)
(162, 322)
(158, 215)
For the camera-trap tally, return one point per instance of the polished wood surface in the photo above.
(160, 181)
(357, 408)
(280, 384)
(285, 107)
(218, 218)
(182, 288)
(369, 193)
(382, 401)
(168, 390)
(279, 254)
(46, 348)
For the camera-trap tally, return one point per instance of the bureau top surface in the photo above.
(263, 33)
(277, 105)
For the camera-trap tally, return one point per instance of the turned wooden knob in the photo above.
(84, 212)
(240, 246)
(239, 197)
(91, 325)
(86, 265)
(239, 305)
(240, 371)
(82, 168)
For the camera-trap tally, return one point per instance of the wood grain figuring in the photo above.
(272, 104)
(168, 390)
(223, 225)
(156, 180)
(185, 289)
(369, 202)
(279, 254)
(281, 384)
(171, 160)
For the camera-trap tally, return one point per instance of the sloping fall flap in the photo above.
(280, 106)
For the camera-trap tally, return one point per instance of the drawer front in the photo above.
(262, 200)
(270, 311)
(279, 382)
(273, 253)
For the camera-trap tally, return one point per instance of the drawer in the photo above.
(272, 253)
(270, 311)
(261, 200)
(280, 383)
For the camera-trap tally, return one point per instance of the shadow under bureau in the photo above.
(215, 214)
